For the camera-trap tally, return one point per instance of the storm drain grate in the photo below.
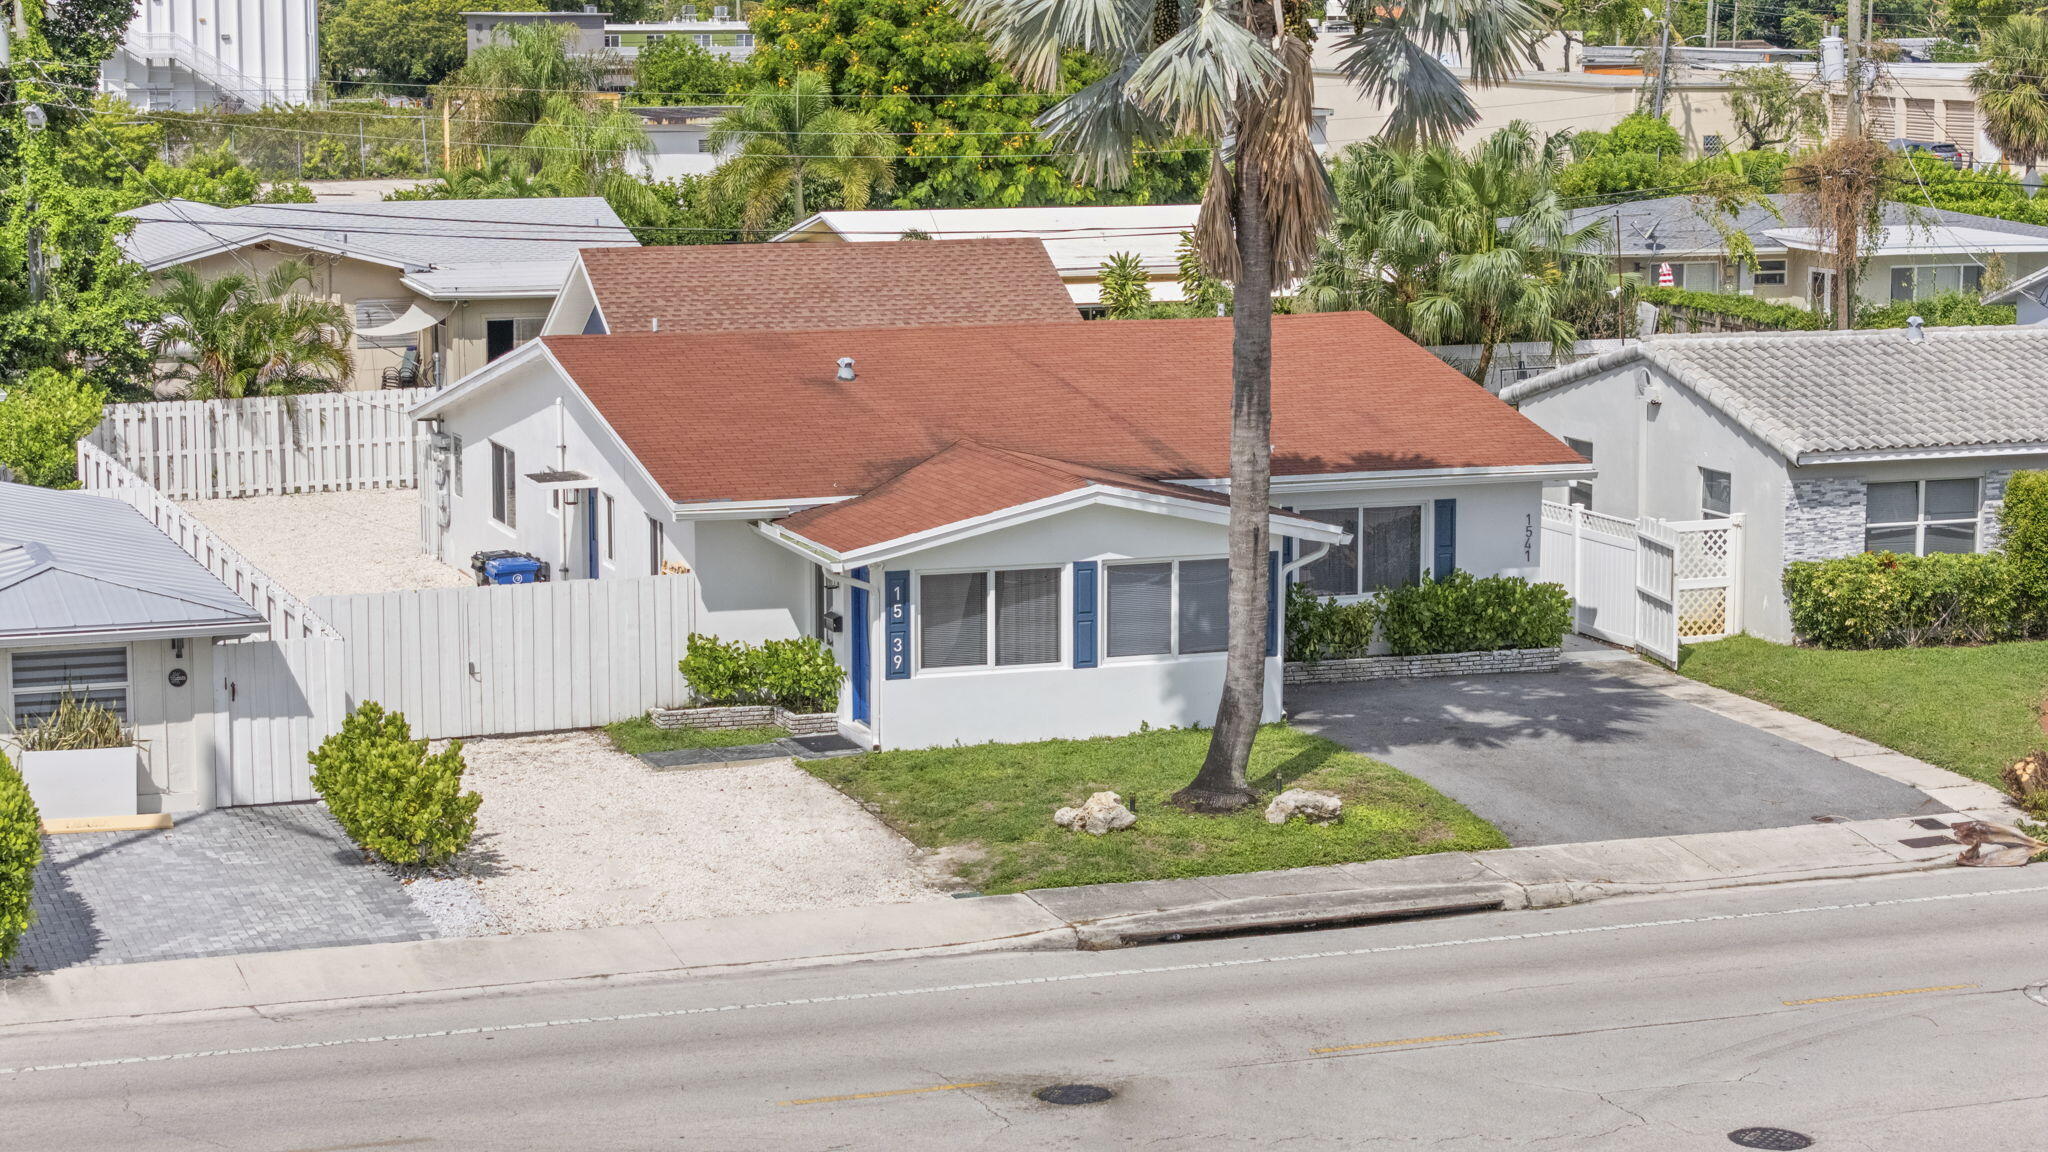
(1931, 824)
(1773, 1138)
(1928, 841)
(1077, 1094)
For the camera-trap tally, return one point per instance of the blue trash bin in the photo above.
(512, 570)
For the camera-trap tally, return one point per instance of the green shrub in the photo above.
(1320, 628)
(21, 849)
(1463, 613)
(2023, 529)
(721, 672)
(42, 418)
(1736, 306)
(800, 675)
(1941, 310)
(399, 803)
(1883, 600)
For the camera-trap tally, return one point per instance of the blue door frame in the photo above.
(857, 610)
(591, 569)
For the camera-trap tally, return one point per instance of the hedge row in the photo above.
(1762, 313)
(800, 675)
(1459, 613)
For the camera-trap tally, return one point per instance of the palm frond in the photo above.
(1194, 81)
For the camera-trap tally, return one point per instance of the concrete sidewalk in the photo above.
(1107, 915)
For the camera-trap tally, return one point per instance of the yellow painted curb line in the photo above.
(891, 1092)
(1877, 995)
(1398, 1043)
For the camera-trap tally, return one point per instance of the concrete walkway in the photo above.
(1608, 750)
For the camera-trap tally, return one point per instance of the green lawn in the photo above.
(992, 804)
(1970, 710)
(640, 735)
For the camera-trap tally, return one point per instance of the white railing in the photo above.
(227, 79)
(267, 445)
(289, 617)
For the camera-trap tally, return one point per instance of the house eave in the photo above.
(1413, 478)
(130, 634)
(1941, 452)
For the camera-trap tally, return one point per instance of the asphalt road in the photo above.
(1876, 1014)
(1580, 754)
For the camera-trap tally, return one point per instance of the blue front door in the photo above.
(857, 608)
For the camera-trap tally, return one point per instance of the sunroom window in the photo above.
(1013, 613)
(1168, 607)
(1385, 550)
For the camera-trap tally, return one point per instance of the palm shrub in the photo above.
(1126, 285)
(400, 804)
(74, 724)
(2012, 89)
(790, 135)
(21, 849)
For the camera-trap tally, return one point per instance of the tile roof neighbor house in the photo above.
(1079, 238)
(1827, 443)
(737, 287)
(98, 604)
(436, 288)
(1005, 531)
(1921, 251)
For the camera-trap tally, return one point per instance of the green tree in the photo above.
(679, 70)
(1461, 247)
(507, 87)
(2012, 90)
(1771, 108)
(42, 418)
(398, 42)
(793, 136)
(1242, 74)
(1126, 285)
(246, 335)
(21, 849)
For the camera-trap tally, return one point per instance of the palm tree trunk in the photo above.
(797, 187)
(1486, 351)
(1220, 786)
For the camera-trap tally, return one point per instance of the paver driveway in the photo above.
(1582, 754)
(221, 882)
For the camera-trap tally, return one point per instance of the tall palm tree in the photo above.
(2012, 89)
(1235, 75)
(786, 134)
(506, 85)
(1461, 247)
(248, 335)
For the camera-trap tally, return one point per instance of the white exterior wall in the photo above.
(1499, 525)
(191, 54)
(176, 727)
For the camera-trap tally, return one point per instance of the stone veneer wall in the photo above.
(1823, 519)
(1988, 534)
(1439, 664)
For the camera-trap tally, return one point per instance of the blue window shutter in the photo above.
(1084, 613)
(896, 625)
(1446, 538)
(1272, 603)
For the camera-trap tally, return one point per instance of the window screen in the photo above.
(953, 609)
(1392, 543)
(41, 679)
(1717, 494)
(1140, 609)
(1336, 574)
(1028, 616)
(1204, 605)
(504, 490)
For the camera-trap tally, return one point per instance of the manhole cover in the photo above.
(1783, 1138)
(1091, 1094)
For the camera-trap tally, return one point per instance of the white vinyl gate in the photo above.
(276, 700)
(1649, 584)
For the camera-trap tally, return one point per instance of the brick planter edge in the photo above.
(1416, 667)
(808, 723)
(719, 718)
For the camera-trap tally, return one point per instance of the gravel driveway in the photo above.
(331, 543)
(575, 834)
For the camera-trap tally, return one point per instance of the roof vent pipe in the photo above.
(654, 325)
(846, 368)
(1916, 329)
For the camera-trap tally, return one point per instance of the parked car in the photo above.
(1939, 149)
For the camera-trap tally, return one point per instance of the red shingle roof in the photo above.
(761, 416)
(960, 483)
(738, 287)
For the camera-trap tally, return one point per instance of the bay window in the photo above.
(1167, 607)
(1385, 550)
(1010, 614)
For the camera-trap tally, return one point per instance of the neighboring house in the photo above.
(679, 141)
(2028, 295)
(729, 287)
(1079, 238)
(1921, 251)
(719, 29)
(1005, 532)
(1828, 443)
(183, 55)
(439, 286)
(95, 602)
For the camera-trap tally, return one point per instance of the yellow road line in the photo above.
(1398, 1043)
(891, 1092)
(1879, 995)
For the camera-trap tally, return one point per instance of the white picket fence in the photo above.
(268, 445)
(1649, 584)
(289, 617)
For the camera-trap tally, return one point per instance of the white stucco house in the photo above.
(1828, 443)
(98, 604)
(1005, 532)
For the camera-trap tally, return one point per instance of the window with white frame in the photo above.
(1385, 550)
(611, 40)
(1919, 517)
(1581, 492)
(1167, 607)
(1717, 494)
(504, 486)
(1691, 275)
(1767, 272)
(1002, 616)
(504, 333)
(1919, 281)
(39, 680)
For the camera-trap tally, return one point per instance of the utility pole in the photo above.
(1664, 63)
(1713, 22)
(1852, 69)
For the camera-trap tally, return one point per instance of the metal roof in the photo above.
(1959, 391)
(76, 565)
(415, 235)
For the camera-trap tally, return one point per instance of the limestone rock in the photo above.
(1314, 807)
(1101, 813)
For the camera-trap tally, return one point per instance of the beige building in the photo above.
(434, 288)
